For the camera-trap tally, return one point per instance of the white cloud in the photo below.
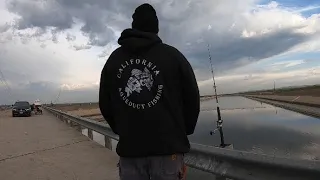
(71, 87)
(66, 43)
(286, 64)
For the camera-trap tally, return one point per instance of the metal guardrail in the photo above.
(224, 163)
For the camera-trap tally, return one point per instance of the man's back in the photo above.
(150, 98)
(152, 95)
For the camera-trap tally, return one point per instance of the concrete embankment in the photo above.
(302, 104)
(301, 100)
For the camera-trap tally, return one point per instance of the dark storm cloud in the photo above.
(182, 24)
(60, 15)
(242, 51)
(41, 14)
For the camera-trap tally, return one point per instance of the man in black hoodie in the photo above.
(150, 98)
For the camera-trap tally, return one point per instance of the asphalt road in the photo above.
(42, 147)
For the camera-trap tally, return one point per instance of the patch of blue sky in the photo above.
(309, 11)
(293, 3)
(304, 7)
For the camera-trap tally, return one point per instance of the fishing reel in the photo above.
(219, 127)
(214, 131)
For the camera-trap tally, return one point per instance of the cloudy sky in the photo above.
(54, 50)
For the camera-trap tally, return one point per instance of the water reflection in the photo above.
(232, 102)
(255, 127)
(260, 128)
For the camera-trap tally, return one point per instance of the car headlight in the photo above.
(29, 109)
(14, 109)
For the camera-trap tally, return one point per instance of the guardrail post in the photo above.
(90, 134)
(72, 124)
(63, 119)
(79, 128)
(107, 142)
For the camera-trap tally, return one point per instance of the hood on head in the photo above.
(136, 41)
(145, 19)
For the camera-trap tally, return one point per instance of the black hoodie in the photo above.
(149, 96)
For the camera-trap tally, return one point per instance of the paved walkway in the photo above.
(43, 148)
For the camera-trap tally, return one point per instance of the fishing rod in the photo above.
(219, 121)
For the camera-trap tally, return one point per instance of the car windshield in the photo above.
(22, 104)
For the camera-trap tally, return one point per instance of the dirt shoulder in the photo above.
(87, 110)
(5, 113)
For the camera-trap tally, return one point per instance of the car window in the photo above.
(22, 104)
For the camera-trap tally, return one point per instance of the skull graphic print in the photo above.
(139, 80)
(139, 77)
